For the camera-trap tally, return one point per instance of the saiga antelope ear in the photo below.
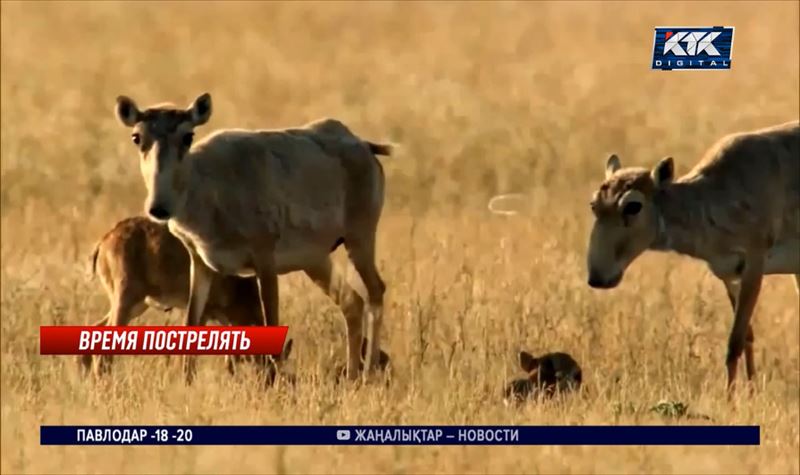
(126, 111)
(664, 172)
(612, 165)
(527, 361)
(200, 109)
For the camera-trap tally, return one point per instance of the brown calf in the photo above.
(141, 264)
(548, 375)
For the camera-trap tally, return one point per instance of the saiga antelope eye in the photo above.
(632, 208)
(137, 139)
(187, 139)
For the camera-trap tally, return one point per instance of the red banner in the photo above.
(161, 340)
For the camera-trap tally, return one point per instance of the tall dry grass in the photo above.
(484, 98)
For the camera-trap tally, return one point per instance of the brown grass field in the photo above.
(483, 98)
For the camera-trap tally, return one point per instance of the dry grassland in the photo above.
(484, 98)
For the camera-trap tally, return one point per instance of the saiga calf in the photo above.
(140, 264)
(548, 375)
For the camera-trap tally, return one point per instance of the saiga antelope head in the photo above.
(626, 219)
(163, 135)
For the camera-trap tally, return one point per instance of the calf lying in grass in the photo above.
(548, 375)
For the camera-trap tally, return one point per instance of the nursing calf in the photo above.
(140, 265)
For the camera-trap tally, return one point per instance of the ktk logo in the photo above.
(692, 47)
(696, 42)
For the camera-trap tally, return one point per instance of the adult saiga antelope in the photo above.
(738, 210)
(263, 203)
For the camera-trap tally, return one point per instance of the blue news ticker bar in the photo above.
(400, 435)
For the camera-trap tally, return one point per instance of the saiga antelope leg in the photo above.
(127, 305)
(335, 286)
(267, 277)
(362, 255)
(200, 277)
(750, 286)
(86, 360)
(733, 289)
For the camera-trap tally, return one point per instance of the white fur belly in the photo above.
(290, 255)
(297, 249)
(295, 253)
(227, 261)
